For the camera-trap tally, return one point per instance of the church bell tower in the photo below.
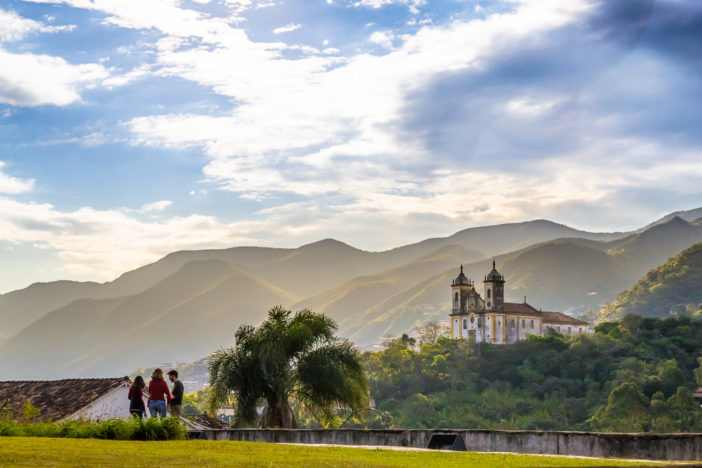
(460, 291)
(494, 285)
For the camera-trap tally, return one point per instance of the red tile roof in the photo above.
(56, 399)
(562, 319)
(522, 308)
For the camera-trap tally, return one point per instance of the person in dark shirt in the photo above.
(176, 406)
(136, 397)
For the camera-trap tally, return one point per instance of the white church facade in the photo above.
(491, 319)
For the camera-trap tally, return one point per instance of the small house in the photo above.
(68, 399)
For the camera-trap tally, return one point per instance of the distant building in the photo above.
(491, 319)
(68, 399)
(697, 395)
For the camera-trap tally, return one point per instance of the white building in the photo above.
(491, 319)
(68, 399)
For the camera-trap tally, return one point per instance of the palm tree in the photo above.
(288, 358)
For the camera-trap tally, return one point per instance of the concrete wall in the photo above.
(639, 446)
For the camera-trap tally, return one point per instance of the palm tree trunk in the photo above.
(278, 414)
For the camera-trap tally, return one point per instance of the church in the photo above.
(492, 320)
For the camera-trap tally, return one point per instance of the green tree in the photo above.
(289, 358)
(626, 410)
(683, 408)
(670, 376)
(698, 373)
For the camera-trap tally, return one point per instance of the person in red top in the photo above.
(159, 395)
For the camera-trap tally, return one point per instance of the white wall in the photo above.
(113, 404)
(563, 329)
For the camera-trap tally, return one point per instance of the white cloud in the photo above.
(412, 4)
(88, 140)
(101, 244)
(125, 78)
(33, 80)
(382, 38)
(13, 185)
(14, 27)
(324, 124)
(287, 28)
(155, 206)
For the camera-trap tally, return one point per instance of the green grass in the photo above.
(32, 451)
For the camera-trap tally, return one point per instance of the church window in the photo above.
(488, 294)
(532, 324)
(465, 324)
(523, 322)
(456, 298)
(472, 319)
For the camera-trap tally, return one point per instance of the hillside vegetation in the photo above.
(672, 288)
(634, 375)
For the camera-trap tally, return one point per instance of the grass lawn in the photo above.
(26, 451)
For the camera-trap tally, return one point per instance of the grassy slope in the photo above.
(77, 452)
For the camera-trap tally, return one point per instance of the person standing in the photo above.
(136, 397)
(159, 395)
(176, 406)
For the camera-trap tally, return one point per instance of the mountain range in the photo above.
(189, 303)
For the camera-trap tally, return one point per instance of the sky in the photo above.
(131, 129)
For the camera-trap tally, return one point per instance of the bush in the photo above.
(111, 429)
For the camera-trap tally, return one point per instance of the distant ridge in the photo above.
(687, 215)
(194, 300)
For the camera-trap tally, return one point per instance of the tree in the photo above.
(626, 410)
(698, 373)
(430, 332)
(288, 358)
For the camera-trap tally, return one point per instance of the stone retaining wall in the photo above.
(594, 444)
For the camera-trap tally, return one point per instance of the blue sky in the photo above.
(132, 129)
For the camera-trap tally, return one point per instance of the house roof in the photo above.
(56, 399)
(514, 308)
(562, 319)
(203, 422)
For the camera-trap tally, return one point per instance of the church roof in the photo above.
(521, 308)
(562, 319)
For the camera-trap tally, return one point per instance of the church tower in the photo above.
(494, 285)
(460, 293)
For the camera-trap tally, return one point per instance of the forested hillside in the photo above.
(672, 288)
(635, 375)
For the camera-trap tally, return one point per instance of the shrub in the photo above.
(111, 429)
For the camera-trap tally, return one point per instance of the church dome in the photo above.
(462, 279)
(494, 275)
